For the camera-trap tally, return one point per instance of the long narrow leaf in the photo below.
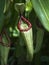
(2, 2)
(39, 40)
(41, 8)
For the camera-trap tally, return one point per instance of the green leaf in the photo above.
(6, 5)
(28, 6)
(39, 40)
(41, 8)
(2, 2)
(1, 22)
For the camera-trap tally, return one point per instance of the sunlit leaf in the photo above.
(41, 8)
(28, 6)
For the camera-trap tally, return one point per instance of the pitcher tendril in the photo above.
(25, 21)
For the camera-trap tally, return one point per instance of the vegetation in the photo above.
(24, 27)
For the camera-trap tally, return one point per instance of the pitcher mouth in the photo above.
(24, 27)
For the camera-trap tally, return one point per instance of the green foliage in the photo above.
(2, 3)
(26, 43)
(41, 8)
(28, 6)
(4, 50)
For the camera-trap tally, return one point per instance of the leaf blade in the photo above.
(42, 10)
(2, 2)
